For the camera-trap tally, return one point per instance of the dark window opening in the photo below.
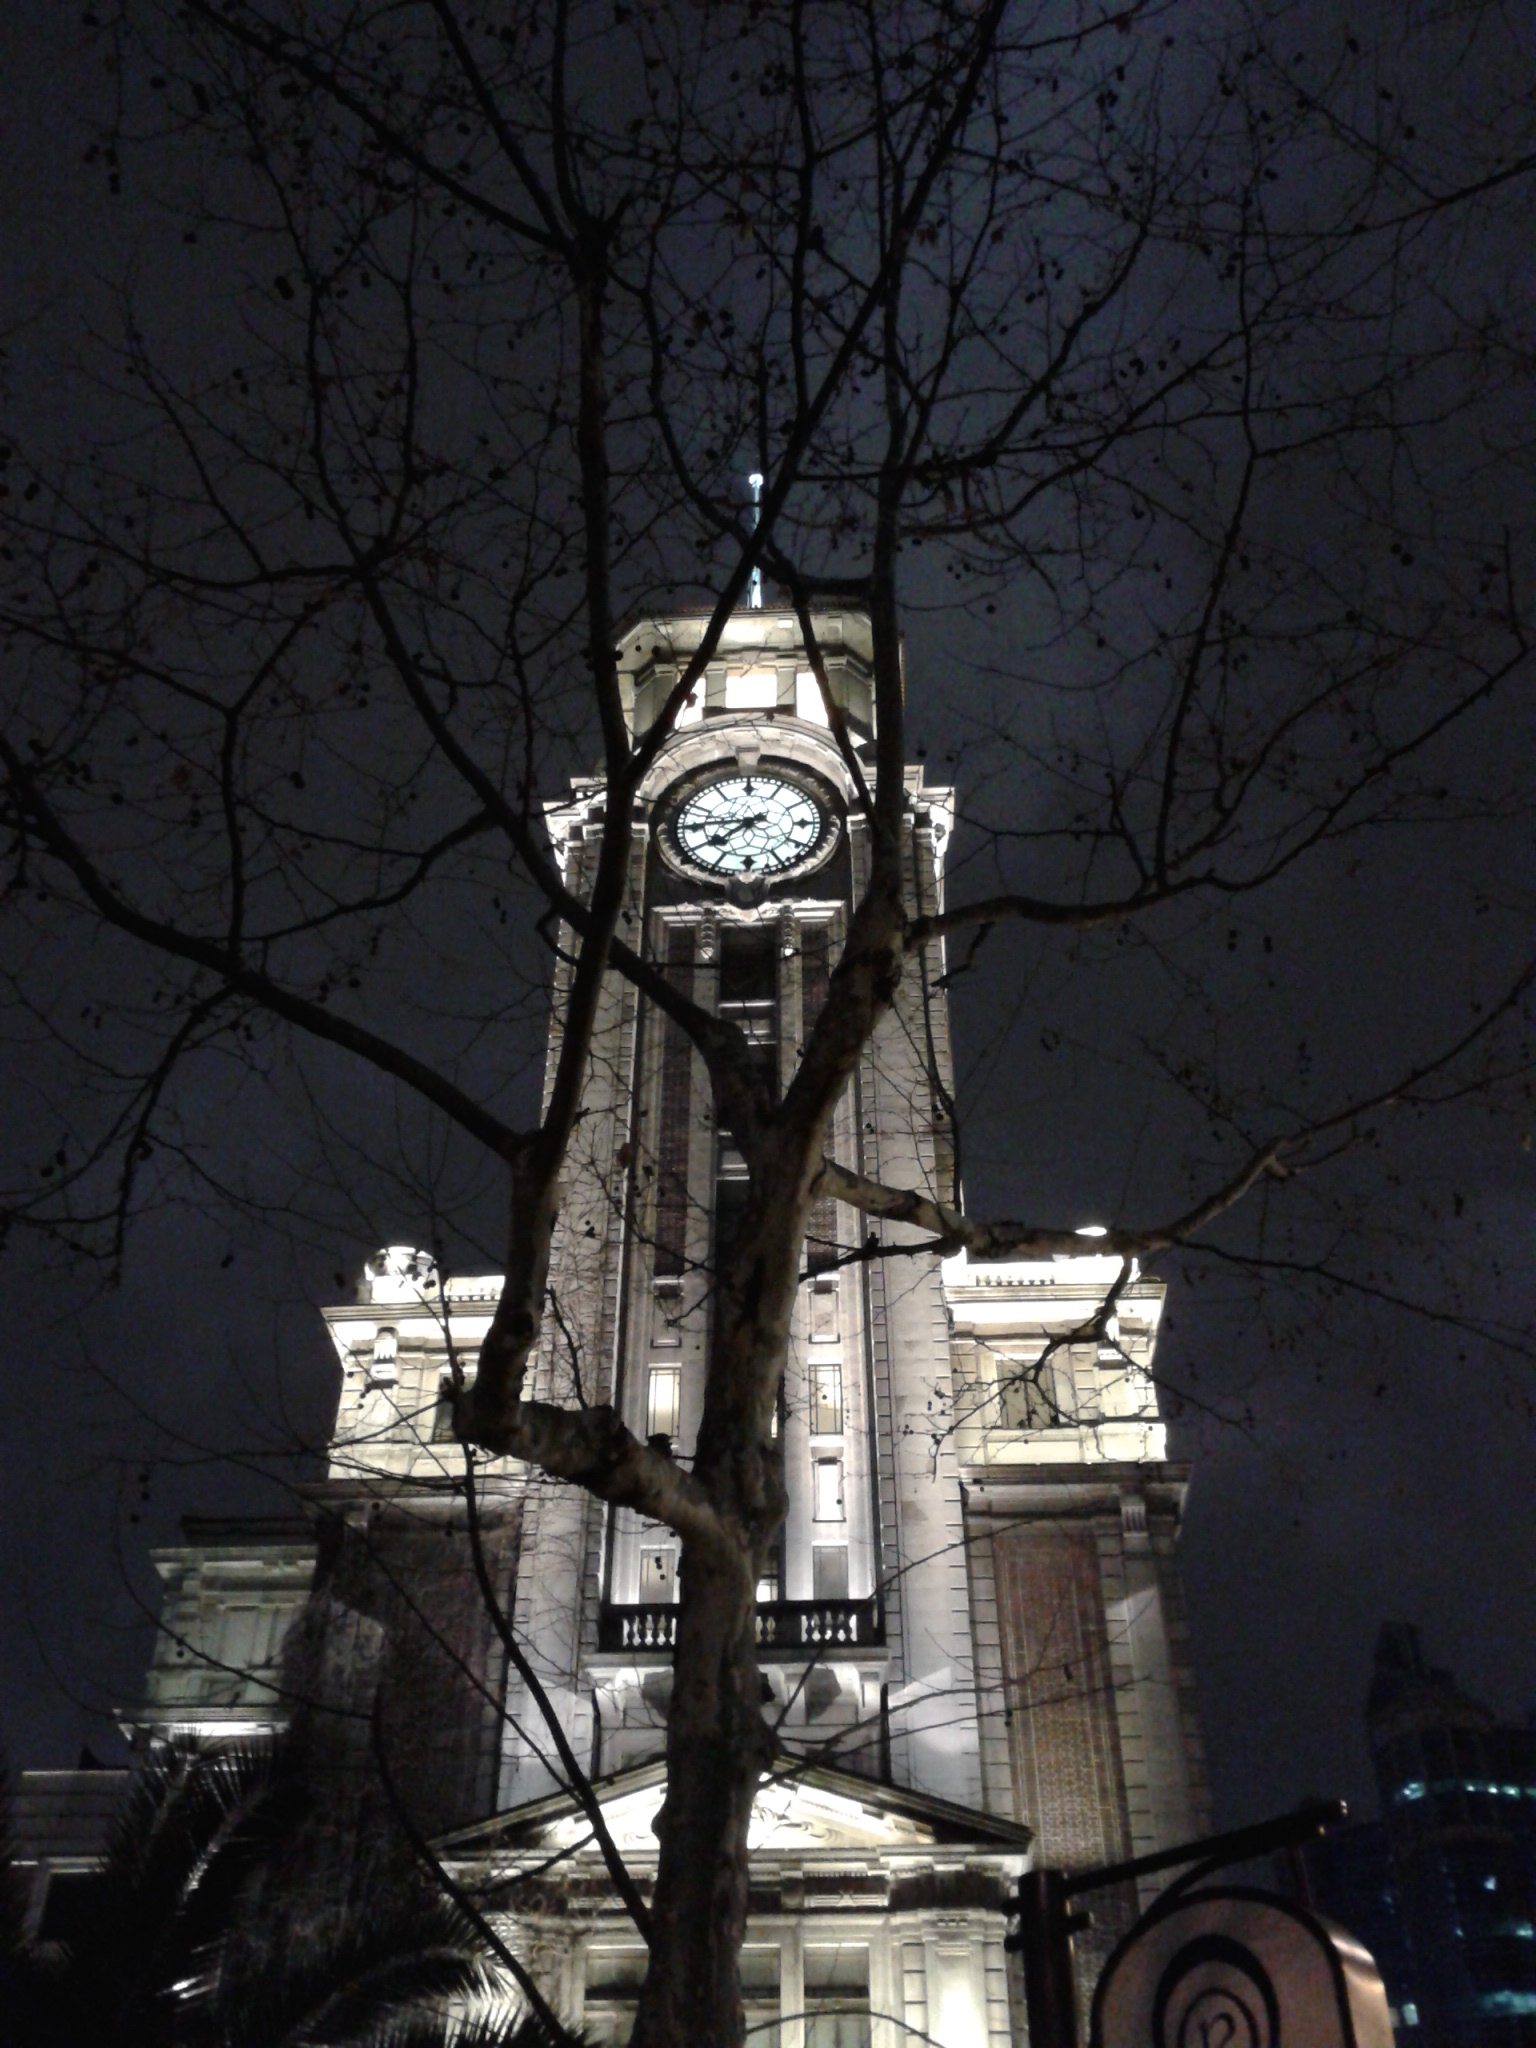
(748, 967)
(821, 1252)
(68, 1906)
(815, 982)
(672, 1138)
(731, 1198)
(749, 997)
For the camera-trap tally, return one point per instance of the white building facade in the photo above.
(973, 1634)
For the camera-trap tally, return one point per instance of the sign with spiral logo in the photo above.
(1236, 1968)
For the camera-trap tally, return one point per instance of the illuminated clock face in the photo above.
(749, 825)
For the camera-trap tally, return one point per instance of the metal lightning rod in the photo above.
(755, 593)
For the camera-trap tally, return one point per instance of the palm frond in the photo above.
(440, 2029)
(354, 1972)
(180, 1844)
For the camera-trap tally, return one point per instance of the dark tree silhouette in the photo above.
(1169, 355)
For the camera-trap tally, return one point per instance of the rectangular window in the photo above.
(245, 1636)
(614, 1977)
(1033, 1394)
(732, 1194)
(815, 985)
(826, 1400)
(663, 1401)
(829, 1490)
(837, 1997)
(442, 1413)
(666, 1316)
(384, 1366)
(770, 1587)
(749, 995)
(760, 1972)
(824, 1312)
(829, 1571)
(821, 1237)
(658, 1576)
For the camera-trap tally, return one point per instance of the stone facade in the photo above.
(973, 1636)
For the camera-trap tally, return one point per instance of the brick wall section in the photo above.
(1059, 1709)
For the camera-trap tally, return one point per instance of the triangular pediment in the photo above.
(800, 1809)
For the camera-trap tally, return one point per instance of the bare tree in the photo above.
(1159, 355)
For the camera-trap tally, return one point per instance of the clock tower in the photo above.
(971, 1635)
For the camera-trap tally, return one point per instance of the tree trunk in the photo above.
(718, 1746)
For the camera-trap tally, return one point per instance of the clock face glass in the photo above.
(748, 825)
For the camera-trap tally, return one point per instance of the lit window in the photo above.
(837, 1999)
(1033, 1394)
(829, 1571)
(658, 1576)
(614, 1977)
(756, 690)
(808, 698)
(384, 1368)
(826, 1400)
(663, 1401)
(1410, 2013)
(829, 1490)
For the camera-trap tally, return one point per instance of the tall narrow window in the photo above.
(760, 1972)
(749, 974)
(824, 1311)
(671, 1140)
(826, 1400)
(815, 984)
(666, 1316)
(663, 1401)
(828, 1490)
(749, 995)
(829, 1571)
(837, 1997)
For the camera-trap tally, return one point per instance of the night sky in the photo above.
(1352, 1463)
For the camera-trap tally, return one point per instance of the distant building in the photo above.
(1443, 1888)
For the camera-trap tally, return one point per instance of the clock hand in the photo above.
(718, 838)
